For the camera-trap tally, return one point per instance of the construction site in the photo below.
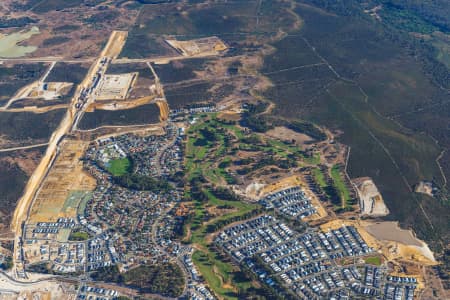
(204, 46)
(281, 170)
(113, 87)
(65, 177)
(59, 183)
(371, 201)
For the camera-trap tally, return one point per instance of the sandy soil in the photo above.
(392, 250)
(66, 175)
(391, 232)
(119, 104)
(371, 201)
(229, 116)
(286, 134)
(50, 290)
(424, 188)
(206, 46)
(253, 190)
(115, 44)
(400, 241)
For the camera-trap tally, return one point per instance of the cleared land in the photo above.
(390, 231)
(115, 44)
(205, 46)
(65, 176)
(115, 86)
(371, 202)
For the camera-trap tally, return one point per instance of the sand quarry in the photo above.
(406, 240)
(371, 202)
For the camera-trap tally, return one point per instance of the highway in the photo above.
(83, 97)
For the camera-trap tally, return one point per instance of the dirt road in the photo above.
(72, 115)
(23, 147)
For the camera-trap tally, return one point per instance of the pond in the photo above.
(9, 44)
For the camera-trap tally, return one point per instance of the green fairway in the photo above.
(319, 177)
(207, 146)
(339, 184)
(118, 167)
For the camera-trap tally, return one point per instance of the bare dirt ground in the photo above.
(391, 232)
(253, 190)
(203, 46)
(229, 116)
(424, 188)
(120, 104)
(66, 175)
(110, 131)
(214, 211)
(115, 44)
(285, 134)
(163, 110)
(433, 286)
(400, 242)
(371, 202)
(41, 290)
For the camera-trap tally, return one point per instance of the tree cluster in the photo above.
(143, 183)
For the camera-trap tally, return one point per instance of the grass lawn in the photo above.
(373, 260)
(215, 273)
(76, 202)
(78, 236)
(82, 205)
(118, 167)
(319, 177)
(314, 160)
(339, 184)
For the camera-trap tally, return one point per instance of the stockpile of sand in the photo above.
(371, 202)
